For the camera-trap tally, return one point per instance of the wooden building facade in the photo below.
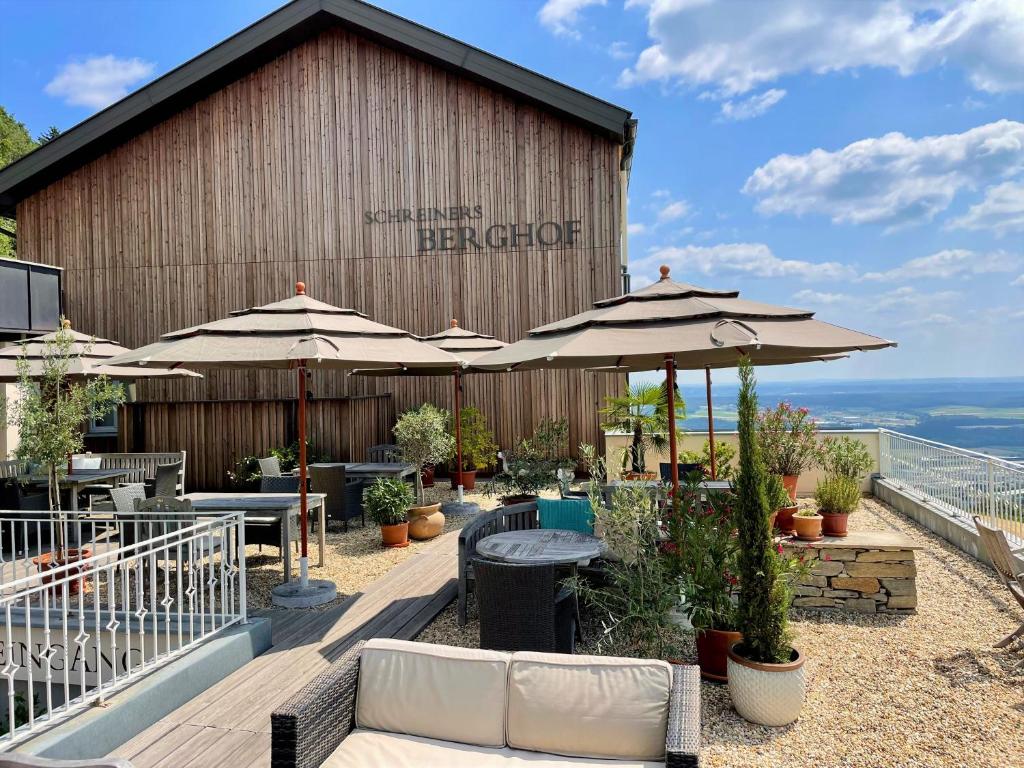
(384, 178)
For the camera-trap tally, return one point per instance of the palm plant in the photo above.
(642, 411)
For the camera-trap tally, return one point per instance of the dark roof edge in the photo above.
(266, 39)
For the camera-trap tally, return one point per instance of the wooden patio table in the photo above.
(371, 469)
(541, 546)
(282, 506)
(76, 480)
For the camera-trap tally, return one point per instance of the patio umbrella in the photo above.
(89, 358)
(670, 324)
(297, 333)
(466, 346)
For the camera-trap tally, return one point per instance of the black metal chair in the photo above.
(684, 470)
(523, 608)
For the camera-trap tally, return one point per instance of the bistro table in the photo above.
(371, 469)
(282, 506)
(76, 480)
(541, 546)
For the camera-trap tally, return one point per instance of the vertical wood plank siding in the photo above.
(228, 203)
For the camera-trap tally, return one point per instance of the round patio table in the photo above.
(541, 545)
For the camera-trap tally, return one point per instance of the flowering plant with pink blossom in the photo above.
(789, 439)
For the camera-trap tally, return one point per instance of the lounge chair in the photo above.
(1003, 558)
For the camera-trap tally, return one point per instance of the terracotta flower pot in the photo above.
(834, 524)
(425, 522)
(807, 527)
(468, 479)
(789, 483)
(639, 475)
(427, 477)
(395, 536)
(784, 519)
(48, 561)
(713, 652)
(766, 694)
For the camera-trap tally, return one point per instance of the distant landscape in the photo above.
(985, 415)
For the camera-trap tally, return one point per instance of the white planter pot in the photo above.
(767, 694)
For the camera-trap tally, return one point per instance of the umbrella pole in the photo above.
(673, 452)
(458, 428)
(304, 558)
(711, 423)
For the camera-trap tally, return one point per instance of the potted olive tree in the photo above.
(478, 447)
(766, 674)
(789, 443)
(422, 436)
(49, 414)
(533, 464)
(387, 503)
(846, 462)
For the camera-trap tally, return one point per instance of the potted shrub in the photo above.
(807, 525)
(789, 443)
(532, 465)
(780, 503)
(766, 674)
(724, 454)
(422, 436)
(846, 462)
(478, 447)
(387, 502)
(49, 414)
(642, 411)
(703, 535)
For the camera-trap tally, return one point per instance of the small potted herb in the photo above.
(387, 503)
(846, 462)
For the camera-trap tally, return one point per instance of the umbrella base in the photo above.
(460, 508)
(295, 595)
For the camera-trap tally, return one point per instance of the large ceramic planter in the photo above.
(807, 527)
(784, 519)
(425, 522)
(468, 479)
(48, 561)
(766, 694)
(834, 524)
(427, 477)
(713, 652)
(789, 483)
(395, 536)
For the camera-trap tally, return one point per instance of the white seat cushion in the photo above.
(588, 706)
(373, 749)
(436, 691)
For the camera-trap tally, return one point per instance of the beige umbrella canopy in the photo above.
(466, 346)
(677, 325)
(89, 356)
(296, 333)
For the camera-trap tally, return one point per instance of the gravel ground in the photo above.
(353, 559)
(895, 691)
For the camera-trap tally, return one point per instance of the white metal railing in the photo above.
(963, 482)
(128, 594)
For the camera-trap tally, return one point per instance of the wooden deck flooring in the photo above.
(229, 724)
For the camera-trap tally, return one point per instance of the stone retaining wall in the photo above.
(864, 579)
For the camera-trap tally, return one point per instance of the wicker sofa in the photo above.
(399, 704)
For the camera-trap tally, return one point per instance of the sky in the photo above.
(864, 160)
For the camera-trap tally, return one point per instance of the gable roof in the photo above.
(270, 37)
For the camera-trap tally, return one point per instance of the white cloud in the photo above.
(820, 297)
(755, 259)
(752, 106)
(562, 16)
(98, 81)
(1001, 211)
(636, 228)
(620, 50)
(909, 302)
(673, 210)
(737, 45)
(1018, 282)
(933, 319)
(952, 262)
(661, 193)
(890, 180)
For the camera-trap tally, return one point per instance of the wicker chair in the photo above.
(522, 608)
(279, 484)
(128, 524)
(270, 467)
(1005, 560)
(169, 479)
(344, 497)
(483, 525)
